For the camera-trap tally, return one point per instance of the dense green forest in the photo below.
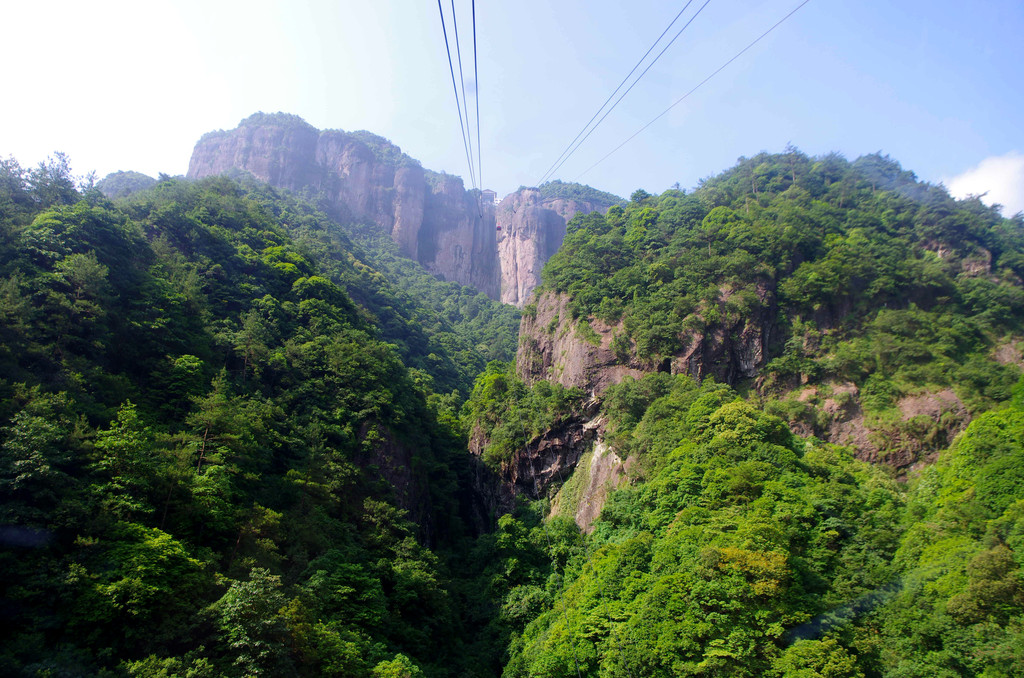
(465, 323)
(228, 443)
(743, 550)
(734, 547)
(855, 273)
(233, 438)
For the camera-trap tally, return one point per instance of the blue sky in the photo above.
(128, 85)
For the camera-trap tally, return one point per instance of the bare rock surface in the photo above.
(553, 346)
(605, 472)
(556, 347)
(530, 229)
(1010, 353)
(499, 250)
(544, 460)
(926, 423)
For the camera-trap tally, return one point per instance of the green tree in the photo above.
(253, 626)
(51, 182)
(399, 667)
(124, 461)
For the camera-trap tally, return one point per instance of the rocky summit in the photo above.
(454, 233)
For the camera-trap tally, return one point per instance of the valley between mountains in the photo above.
(316, 410)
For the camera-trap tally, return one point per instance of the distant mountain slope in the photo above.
(554, 189)
(123, 184)
(531, 226)
(361, 177)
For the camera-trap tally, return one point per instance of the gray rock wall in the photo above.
(432, 217)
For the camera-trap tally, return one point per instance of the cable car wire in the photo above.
(628, 75)
(631, 87)
(554, 166)
(698, 86)
(464, 111)
(476, 89)
(455, 89)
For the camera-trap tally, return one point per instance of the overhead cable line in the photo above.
(628, 75)
(455, 89)
(464, 111)
(630, 87)
(568, 153)
(476, 90)
(698, 86)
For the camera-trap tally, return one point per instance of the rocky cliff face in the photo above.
(552, 346)
(456, 237)
(547, 461)
(432, 217)
(927, 423)
(530, 229)
(555, 347)
(359, 176)
(597, 473)
(570, 463)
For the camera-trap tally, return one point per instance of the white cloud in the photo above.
(1001, 177)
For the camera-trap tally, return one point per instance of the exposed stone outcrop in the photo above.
(553, 346)
(545, 459)
(1010, 353)
(927, 423)
(593, 355)
(728, 353)
(571, 458)
(359, 176)
(549, 457)
(432, 217)
(583, 497)
(530, 229)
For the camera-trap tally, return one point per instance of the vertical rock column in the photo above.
(530, 230)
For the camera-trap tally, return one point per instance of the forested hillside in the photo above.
(573, 191)
(772, 427)
(712, 344)
(227, 441)
(466, 323)
(840, 290)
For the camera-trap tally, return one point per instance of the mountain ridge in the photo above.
(860, 305)
(453, 232)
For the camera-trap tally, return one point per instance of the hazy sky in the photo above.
(938, 85)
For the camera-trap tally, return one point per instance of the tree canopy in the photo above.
(234, 432)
